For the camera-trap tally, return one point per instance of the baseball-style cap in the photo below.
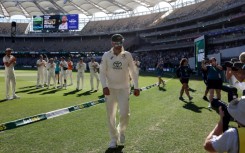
(7, 49)
(236, 108)
(117, 39)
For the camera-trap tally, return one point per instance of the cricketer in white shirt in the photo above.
(45, 80)
(81, 67)
(63, 71)
(94, 67)
(116, 65)
(51, 72)
(9, 62)
(40, 71)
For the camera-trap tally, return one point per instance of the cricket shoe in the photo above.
(16, 96)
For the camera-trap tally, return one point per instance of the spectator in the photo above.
(94, 72)
(214, 79)
(183, 72)
(232, 140)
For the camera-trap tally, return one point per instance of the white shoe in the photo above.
(113, 144)
(209, 105)
(121, 138)
(16, 97)
(8, 98)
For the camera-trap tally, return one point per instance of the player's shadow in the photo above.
(192, 90)
(27, 87)
(50, 92)
(37, 91)
(71, 92)
(191, 106)
(161, 89)
(101, 96)
(119, 149)
(86, 93)
(3, 100)
(93, 91)
(26, 90)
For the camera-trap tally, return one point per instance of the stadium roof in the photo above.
(29, 8)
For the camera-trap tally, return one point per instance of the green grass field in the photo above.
(159, 122)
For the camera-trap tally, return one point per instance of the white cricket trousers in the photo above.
(10, 77)
(40, 77)
(51, 75)
(80, 76)
(69, 74)
(63, 78)
(45, 76)
(96, 76)
(120, 98)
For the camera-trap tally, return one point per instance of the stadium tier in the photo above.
(167, 32)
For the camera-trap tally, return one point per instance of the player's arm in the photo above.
(204, 67)
(228, 73)
(12, 61)
(218, 130)
(219, 67)
(103, 69)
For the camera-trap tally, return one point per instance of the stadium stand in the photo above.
(167, 35)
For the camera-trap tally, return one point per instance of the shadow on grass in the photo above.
(71, 92)
(37, 91)
(119, 149)
(191, 106)
(50, 92)
(86, 93)
(23, 91)
(101, 96)
(192, 90)
(162, 89)
(3, 100)
(27, 87)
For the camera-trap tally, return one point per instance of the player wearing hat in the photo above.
(69, 70)
(81, 67)
(233, 139)
(9, 63)
(93, 68)
(63, 69)
(51, 72)
(116, 65)
(40, 71)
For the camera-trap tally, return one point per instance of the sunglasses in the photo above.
(118, 43)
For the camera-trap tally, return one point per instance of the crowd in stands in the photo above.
(198, 10)
(170, 58)
(119, 25)
(157, 19)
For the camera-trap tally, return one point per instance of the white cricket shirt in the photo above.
(9, 69)
(81, 67)
(115, 70)
(93, 67)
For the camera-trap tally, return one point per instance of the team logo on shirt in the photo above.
(117, 65)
